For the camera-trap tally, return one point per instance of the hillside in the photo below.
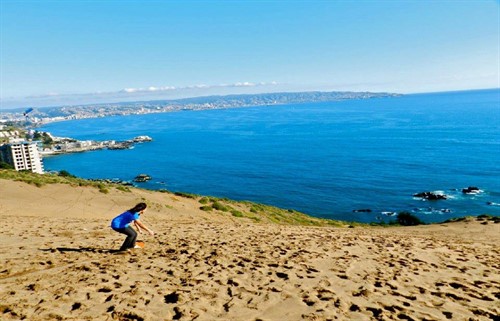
(262, 264)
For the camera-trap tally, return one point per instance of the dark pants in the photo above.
(129, 242)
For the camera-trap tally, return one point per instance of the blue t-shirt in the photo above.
(123, 220)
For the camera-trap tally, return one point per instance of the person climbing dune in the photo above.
(122, 224)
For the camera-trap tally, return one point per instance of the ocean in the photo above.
(324, 159)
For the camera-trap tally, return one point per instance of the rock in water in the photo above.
(471, 190)
(431, 196)
(141, 178)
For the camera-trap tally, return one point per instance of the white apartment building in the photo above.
(23, 156)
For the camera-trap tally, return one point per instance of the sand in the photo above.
(58, 263)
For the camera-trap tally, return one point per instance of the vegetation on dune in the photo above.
(221, 206)
(237, 213)
(186, 195)
(484, 218)
(402, 219)
(4, 165)
(407, 219)
(262, 213)
(206, 208)
(63, 177)
(65, 173)
(245, 210)
(123, 188)
(204, 200)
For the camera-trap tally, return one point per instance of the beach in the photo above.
(59, 263)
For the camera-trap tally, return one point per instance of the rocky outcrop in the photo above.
(431, 196)
(471, 190)
(141, 178)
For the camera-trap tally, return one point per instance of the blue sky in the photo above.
(76, 52)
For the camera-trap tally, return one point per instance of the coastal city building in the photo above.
(22, 156)
(8, 134)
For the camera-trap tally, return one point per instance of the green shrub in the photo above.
(123, 188)
(237, 213)
(221, 207)
(255, 218)
(204, 200)
(102, 188)
(4, 165)
(206, 208)
(187, 195)
(65, 173)
(407, 219)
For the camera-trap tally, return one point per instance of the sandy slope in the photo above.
(57, 264)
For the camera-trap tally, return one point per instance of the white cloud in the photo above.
(244, 84)
(152, 89)
(145, 90)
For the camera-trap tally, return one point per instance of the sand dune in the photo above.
(58, 263)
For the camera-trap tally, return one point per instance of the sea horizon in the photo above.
(24, 107)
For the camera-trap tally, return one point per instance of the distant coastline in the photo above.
(34, 117)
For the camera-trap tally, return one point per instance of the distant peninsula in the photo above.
(44, 115)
